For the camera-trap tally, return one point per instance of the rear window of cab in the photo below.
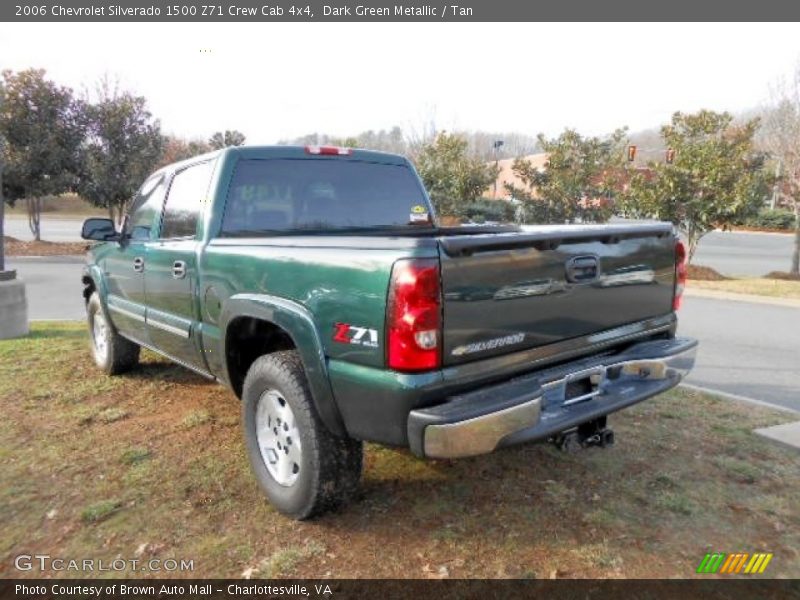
(272, 196)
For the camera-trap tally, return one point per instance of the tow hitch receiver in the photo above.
(592, 433)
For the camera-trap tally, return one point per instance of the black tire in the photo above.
(328, 467)
(112, 352)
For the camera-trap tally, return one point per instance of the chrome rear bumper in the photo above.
(544, 403)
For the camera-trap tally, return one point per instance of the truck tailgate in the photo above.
(510, 291)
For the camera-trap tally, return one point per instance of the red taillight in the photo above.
(680, 274)
(414, 316)
(329, 150)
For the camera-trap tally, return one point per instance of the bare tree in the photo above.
(421, 133)
(780, 136)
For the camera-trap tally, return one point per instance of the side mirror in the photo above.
(100, 230)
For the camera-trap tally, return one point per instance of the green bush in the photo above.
(484, 210)
(779, 218)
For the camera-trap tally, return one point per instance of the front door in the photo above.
(125, 264)
(171, 275)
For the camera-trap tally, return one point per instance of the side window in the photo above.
(146, 208)
(185, 201)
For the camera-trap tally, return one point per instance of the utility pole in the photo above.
(495, 146)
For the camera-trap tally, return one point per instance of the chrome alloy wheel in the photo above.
(278, 438)
(100, 336)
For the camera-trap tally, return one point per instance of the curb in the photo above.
(738, 398)
(58, 320)
(52, 258)
(751, 298)
(754, 232)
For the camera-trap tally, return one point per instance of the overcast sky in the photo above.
(275, 81)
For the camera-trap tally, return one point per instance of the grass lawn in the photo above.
(152, 465)
(778, 288)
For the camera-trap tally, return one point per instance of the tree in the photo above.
(2, 197)
(780, 136)
(347, 142)
(454, 179)
(481, 144)
(123, 145)
(396, 141)
(175, 149)
(43, 125)
(221, 140)
(485, 209)
(578, 182)
(715, 180)
(385, 140)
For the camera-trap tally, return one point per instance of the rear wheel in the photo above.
(112, 352)
(303, 468)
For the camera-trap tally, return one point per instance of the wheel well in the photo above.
(88, 287)
(248, 338)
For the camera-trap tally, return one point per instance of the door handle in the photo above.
(138, 264)
(179, 269)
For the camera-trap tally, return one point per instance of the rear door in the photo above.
(124, 265)
(171, 273)
(508, 292)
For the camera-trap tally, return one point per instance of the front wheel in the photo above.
(112, 352)
(303, 468)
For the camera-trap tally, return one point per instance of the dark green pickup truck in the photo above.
(317, 284)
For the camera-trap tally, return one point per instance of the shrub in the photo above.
(484, 210)
(778, 218)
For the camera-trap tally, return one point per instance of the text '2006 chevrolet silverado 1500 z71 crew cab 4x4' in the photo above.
(316, 284)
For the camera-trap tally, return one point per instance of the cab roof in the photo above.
(312, 151)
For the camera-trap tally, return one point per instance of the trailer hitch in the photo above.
(591, 433)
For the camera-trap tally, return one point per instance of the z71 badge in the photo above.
(351, 334)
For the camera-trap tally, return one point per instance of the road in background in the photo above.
(748, 349)
(52, 285)
(745, 254)
(730, 253)
(54, 229)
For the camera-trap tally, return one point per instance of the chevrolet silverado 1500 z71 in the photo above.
(316, 283)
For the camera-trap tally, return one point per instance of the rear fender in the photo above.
(298, 322)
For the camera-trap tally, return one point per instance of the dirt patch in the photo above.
(701, 273)
(15, 247)
(783, 275)
(170, 479)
